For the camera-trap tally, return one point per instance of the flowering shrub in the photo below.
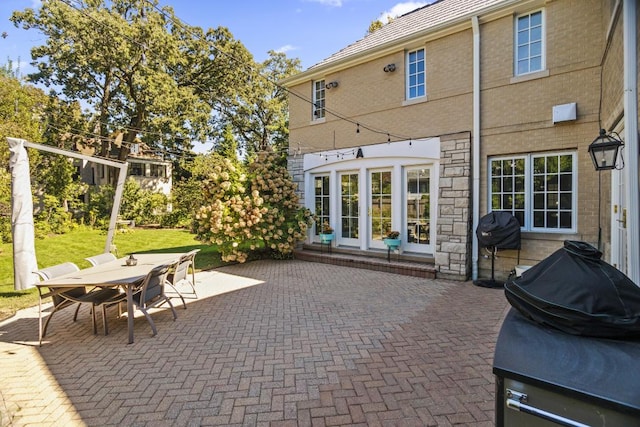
(393, 235)
(326, 228)
(251, 208)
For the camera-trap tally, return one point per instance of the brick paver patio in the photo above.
(273, 343)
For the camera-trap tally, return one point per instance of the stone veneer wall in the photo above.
(453, 239)
(294, 166)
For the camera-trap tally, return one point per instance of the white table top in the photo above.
(113, 273)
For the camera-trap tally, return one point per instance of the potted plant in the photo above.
(392, 240)
(326, 234)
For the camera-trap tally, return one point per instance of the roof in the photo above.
(431, 16)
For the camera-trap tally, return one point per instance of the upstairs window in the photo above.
(529, 43)
(416, 74)
(318, 99)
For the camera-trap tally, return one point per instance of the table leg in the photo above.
(39, 316)
(130, 312)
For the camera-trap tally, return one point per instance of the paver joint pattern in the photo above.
(308, 345)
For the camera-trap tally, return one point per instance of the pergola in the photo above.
(24, 256)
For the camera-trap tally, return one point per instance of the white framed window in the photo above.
(416, 74)
(538, 189)
(318, 100)
(529, 43)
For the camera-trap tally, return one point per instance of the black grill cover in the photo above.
(575, 291)
(499, 230)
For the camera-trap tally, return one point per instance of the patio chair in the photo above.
(101, 258)
(73, 296)
(180, 275)
(63, 299)
(151, 294)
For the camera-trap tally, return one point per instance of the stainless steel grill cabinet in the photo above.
(546, 377)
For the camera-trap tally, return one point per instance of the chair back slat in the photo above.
(57, 270)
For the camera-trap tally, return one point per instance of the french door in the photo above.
(380, 203)
(418, 209)
(349, 209)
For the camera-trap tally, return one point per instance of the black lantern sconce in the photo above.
(604, 151)
(359, 154)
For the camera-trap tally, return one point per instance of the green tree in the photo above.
(122, 57)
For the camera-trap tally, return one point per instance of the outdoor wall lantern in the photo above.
(331, 85)
(359, 154)
(604, 151)
(389, 68)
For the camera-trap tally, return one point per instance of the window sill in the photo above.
(549, 235)
(530, 76)
(317, 121)
(414, 101)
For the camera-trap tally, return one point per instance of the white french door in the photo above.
(349, 222)
(418, 209)
(380, 206)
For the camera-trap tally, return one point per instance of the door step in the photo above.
(395, 265)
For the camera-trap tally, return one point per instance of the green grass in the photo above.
(82, 243)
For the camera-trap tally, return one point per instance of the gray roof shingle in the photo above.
(416, 21)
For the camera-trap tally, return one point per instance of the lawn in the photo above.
(82, 243)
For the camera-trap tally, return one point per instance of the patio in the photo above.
(279, 343)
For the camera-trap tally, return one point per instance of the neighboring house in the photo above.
(467, 106)
(150, 170)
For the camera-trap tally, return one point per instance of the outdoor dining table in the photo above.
(113, 274)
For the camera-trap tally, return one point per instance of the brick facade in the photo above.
(515, 116)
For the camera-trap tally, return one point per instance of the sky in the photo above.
(310, 30)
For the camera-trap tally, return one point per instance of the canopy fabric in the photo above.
(24, 252)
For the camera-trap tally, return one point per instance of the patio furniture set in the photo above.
(139, 280)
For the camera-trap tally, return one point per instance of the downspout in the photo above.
(475, 143)
(630, 102)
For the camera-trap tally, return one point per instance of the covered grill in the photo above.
(568, 350)
(497, 230)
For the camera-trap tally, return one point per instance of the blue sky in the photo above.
(310, 30)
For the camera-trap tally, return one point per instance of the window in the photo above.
(158, 170)
(537, 189)
(416, 83)
(321, 186)
(529, 43)
(318, 99)
(136, 169)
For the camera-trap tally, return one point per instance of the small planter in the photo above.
(392, 243)
(327, 237)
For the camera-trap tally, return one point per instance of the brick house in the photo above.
(462, 107)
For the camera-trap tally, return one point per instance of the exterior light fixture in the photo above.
(389, 68)
(359, 154)
(331, 85)
(604, 151)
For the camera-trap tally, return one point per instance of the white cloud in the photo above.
(286, 48)
(401, 9)
(332, 3)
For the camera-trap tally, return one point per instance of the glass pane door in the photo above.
(418, 224)
(321, 186)
(349, 208)
(380, 206)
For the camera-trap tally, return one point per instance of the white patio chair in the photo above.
(101, 258)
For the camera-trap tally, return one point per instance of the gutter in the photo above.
(630, 102)
(475, 189)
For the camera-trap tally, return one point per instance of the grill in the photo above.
(545, 377)
(497, 230)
